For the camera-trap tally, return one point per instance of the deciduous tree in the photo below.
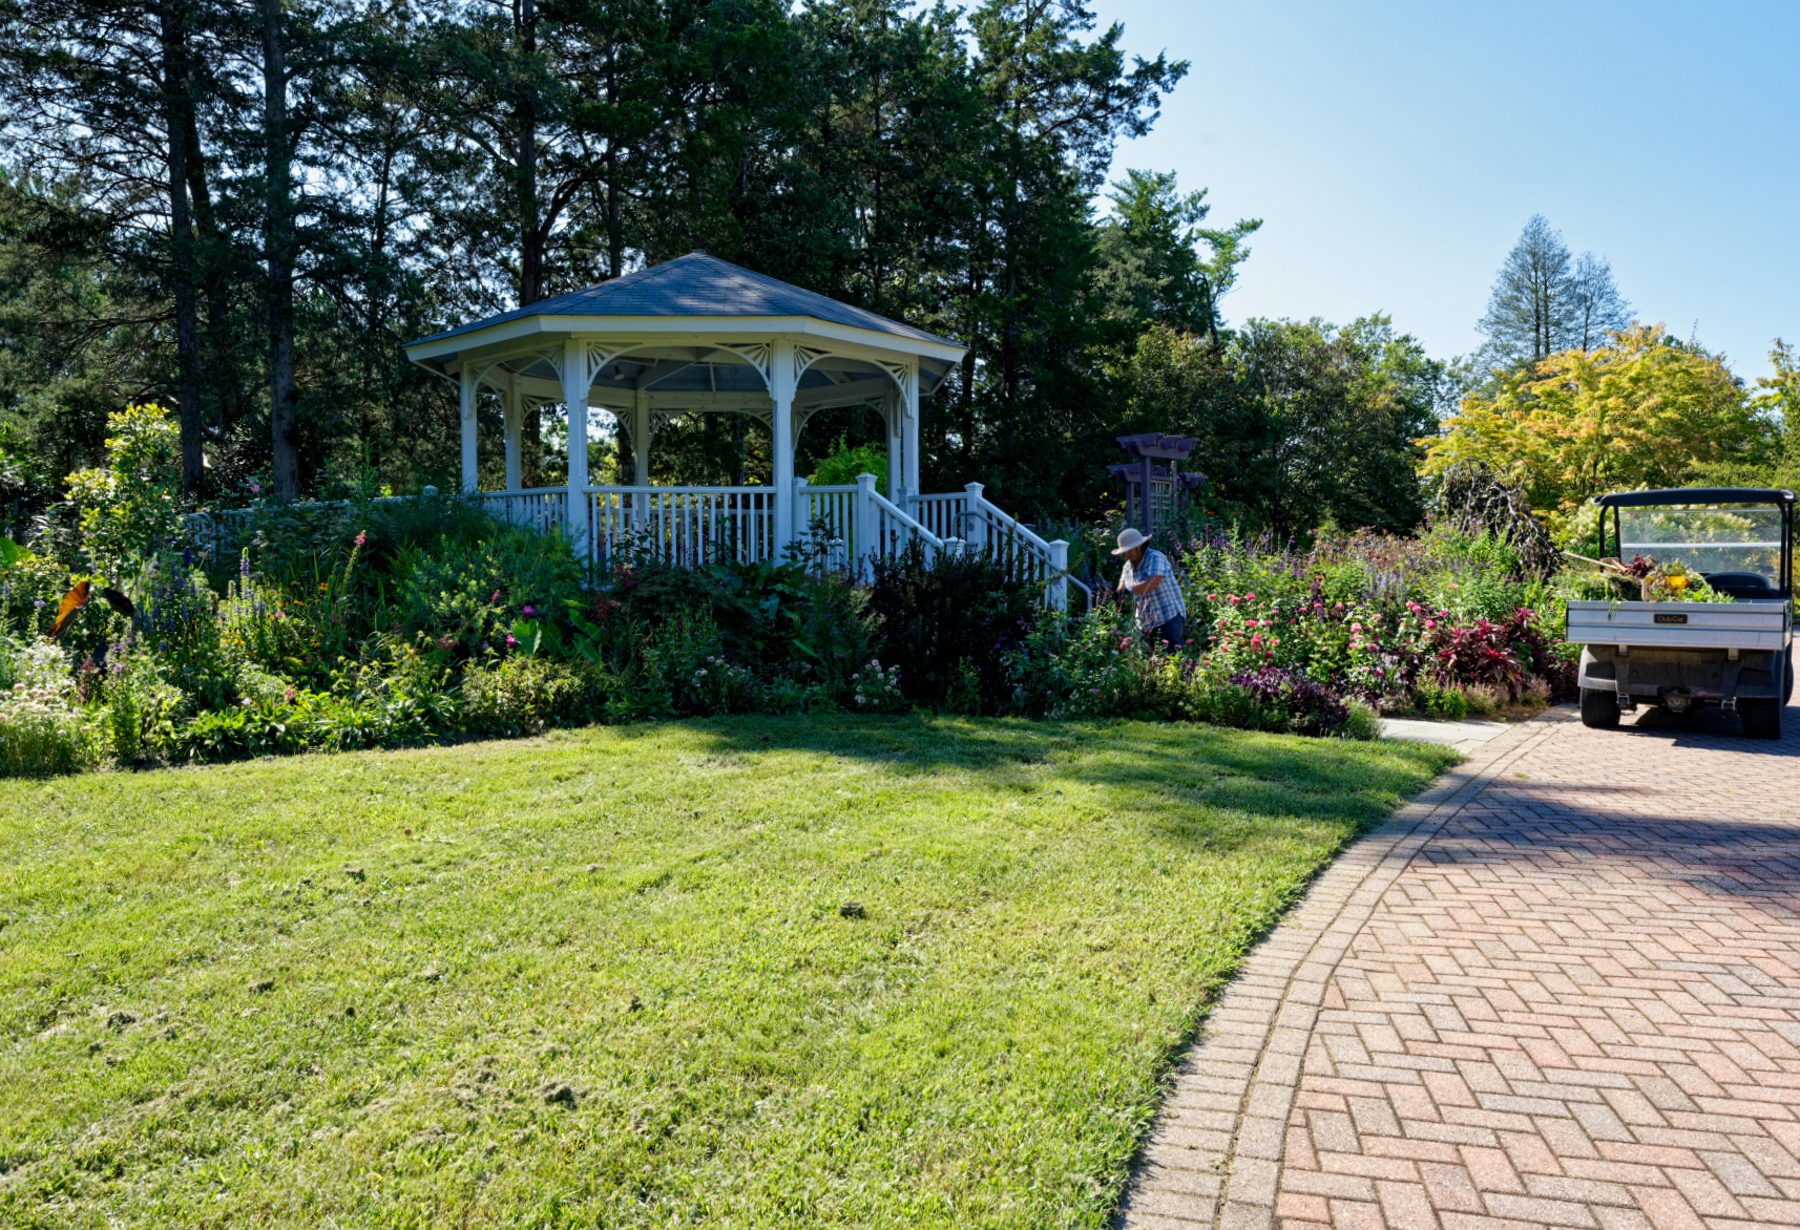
(1645, 410)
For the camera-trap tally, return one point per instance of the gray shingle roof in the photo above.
(699, 285)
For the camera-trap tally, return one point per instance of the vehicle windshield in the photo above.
(1705, 539)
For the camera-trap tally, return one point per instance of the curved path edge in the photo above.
(1214, 1157)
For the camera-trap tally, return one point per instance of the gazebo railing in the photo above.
(539, 508)
(839, 528)
(947, 515)
(683, 525)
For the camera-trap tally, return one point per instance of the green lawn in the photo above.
(613, 977)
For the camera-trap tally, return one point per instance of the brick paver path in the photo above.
(1561, 991)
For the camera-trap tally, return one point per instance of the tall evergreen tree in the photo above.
(1545, 300)
(1152, 264)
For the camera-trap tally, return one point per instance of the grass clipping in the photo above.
(754, 972)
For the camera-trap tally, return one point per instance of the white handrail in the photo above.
(886, 509)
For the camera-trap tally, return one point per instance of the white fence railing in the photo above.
(683, 525)
(846, 527)
(539, 508)
(223, 530)
(947, 516)
(969, 515)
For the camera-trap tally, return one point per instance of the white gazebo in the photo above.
(701, 335)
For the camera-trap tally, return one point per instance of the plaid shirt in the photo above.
(1161, 604)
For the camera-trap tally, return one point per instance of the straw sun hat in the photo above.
(1130, 539)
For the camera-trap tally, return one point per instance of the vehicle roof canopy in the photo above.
(1695, 495)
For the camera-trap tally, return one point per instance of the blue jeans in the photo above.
(1170, 632)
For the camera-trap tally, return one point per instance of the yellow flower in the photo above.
(1678, 583)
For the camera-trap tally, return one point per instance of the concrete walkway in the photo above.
(1467, 737)
(1561, 989)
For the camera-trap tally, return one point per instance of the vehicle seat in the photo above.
(1741, 584)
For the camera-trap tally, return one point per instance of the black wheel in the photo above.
(1761, 718)
(1599, 709)
(1787, 695)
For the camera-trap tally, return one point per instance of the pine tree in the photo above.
(1545, 301)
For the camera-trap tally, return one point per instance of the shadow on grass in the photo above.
(1165, 772)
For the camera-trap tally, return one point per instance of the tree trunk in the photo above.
(531, 237)
(279, 243)
(177, 112)
(531, 248)
(214, 281)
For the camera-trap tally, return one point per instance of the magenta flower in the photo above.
(528, 611)
(362, 536)
(495, 597)
(510, 642)
(1430, 624)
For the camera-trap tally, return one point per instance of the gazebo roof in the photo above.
(698, 285)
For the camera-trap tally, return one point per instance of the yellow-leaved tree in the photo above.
(1644, 410)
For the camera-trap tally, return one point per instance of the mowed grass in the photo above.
(612, 978)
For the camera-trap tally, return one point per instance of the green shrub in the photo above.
(43, 728)
(1362, 724)
(143, 710)
(30, 587)
(132, 505)
(238, 733)
(948, 622)
(526, 695)
(1443, 702)
(472, 591)
(845, 463)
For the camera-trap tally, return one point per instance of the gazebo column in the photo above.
(515, 426)
(781, 391)
(890, 415)
(575, 382)
(909, 389)
(640, 442)
(467, 423)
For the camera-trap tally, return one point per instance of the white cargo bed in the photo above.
(1759, 624)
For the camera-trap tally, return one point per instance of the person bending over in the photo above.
(1150, 580)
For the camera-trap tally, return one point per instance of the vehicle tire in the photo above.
(1599, 709)
(1787, 696)
(1760, 718)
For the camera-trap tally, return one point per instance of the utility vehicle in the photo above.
(1737, 656)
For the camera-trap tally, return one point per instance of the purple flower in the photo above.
(528, 611)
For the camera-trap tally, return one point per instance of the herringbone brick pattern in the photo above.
(1575, 1004)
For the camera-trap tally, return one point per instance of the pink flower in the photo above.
(1256, 640)
(1235, 600)
(362, 536)
(510, 642)
(255, 487)
(1212, 597)
(1356, 627)
(1338, 607)
(496, 596)
(528, 611)
(1430, 624)
(1249, 597)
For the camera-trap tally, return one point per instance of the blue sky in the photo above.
(1394, 151)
